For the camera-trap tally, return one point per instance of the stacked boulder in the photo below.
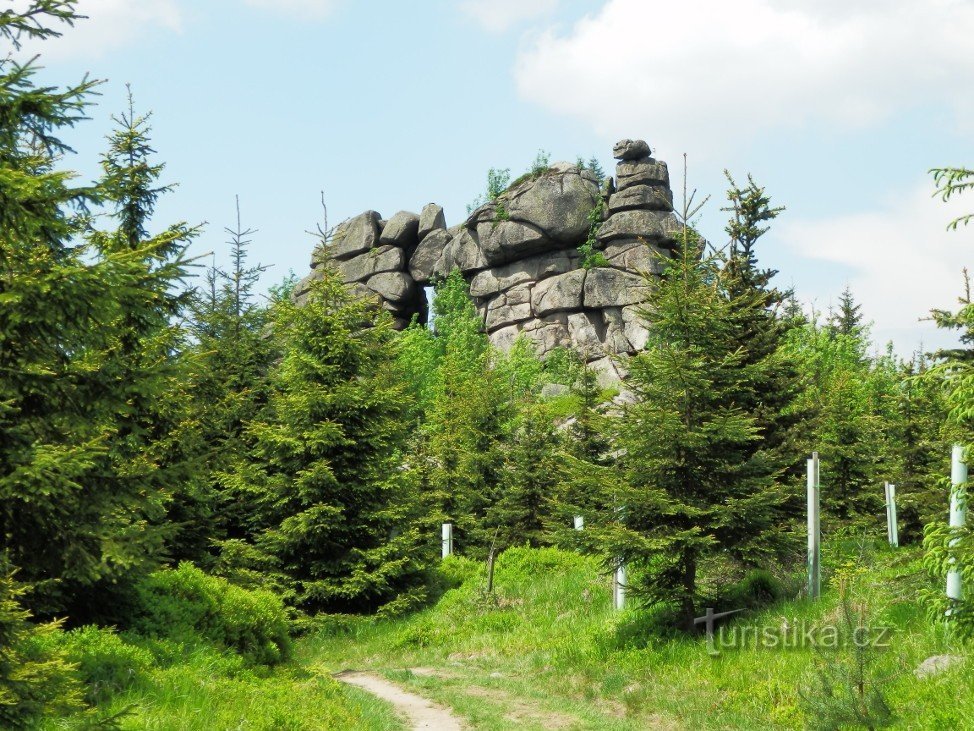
(371, 256)
(520, 254)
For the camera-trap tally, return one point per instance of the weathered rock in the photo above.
(501, 314)
(608, 372)
(431, 219)
(463, 253)
(635, 255)
(355, 236)
(562, 292)
(363, 266)
(584, 329)
(401, 230)
(504, 338)
(641, 172)
(422, 264)
(936, 664)
(615, 338)
(554, 390)
(394, 286)
(648, 225)
(635, 327)
(646, 197)
(613, 288)
(630, 150)
(548, 333)
(556, 203)
(302, 288)
(533, 268)
(503, 241)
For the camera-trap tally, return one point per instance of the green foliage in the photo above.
(846, 690)
(185, 603)
(332, 510)
(498, 181)
(36, 680)
(591, 256)
(106, 663)
(593, 165)
(540, 164)
(951, 182)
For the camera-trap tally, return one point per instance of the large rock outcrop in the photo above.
(520, 254)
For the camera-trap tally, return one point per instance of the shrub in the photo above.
(107, 664)
(36, 678)
(758, 589)
(185, 602)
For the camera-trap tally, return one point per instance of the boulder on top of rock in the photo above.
(630, 150)
(381, 259)
(463, 253)
(422, 264)
(355, 236)
(613, 288)
(635, 255)
(393, 286)
(430, 220)
(556, 203)
(401, 230)
(641, 172)
(647, 225)
(562, 292)
(503, 241)
(645, 197)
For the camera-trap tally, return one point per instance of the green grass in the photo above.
(204, 688)
(547, 651)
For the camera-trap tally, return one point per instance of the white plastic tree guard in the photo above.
(814, 530)
(579, 522)
(892, 530)
(958, 513)
(447, 539)
(619, 587)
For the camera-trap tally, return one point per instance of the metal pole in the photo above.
(892, 530)
(579, 522)
(447, 539)
(814, 530)
(958, 513)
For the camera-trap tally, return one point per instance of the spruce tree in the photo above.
(230, 361)
(774, 389)
(70, 516)
(334, 515)
(693, 482)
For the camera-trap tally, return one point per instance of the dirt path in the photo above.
(421, 713)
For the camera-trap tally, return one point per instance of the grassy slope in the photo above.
(548, 652)
(205, 689)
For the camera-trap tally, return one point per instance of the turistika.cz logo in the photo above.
(794, 634)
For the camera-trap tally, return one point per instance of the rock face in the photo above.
(520, 254)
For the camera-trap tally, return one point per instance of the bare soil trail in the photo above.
(420, 712)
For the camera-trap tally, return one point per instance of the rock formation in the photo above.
(520, 254)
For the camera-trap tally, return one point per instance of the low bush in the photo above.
(186, 603)
(106, 663)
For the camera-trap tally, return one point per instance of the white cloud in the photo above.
(704, 73)
(903, 261)
(310, 9)
(499, 15)
(110, 24)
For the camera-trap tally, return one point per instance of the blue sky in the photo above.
(837, 108)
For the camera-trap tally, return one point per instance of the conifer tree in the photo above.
(773, 391)
(334, 513)
(230, 361)
(847, 319)
(67, 522)
(693, 482)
